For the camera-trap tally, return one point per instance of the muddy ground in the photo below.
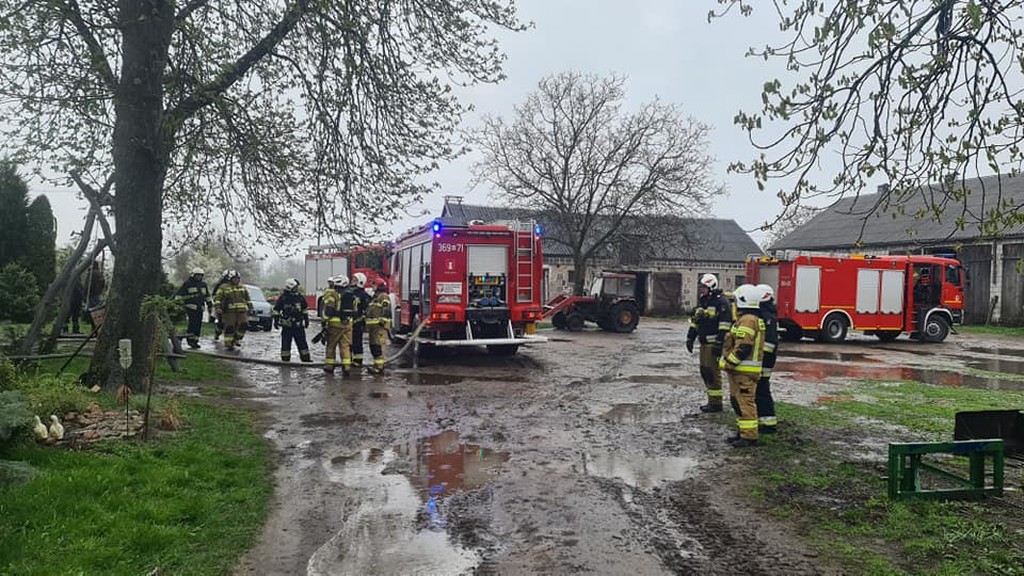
(583, 455)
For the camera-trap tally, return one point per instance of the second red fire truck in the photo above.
(469, 284)
(824, 297)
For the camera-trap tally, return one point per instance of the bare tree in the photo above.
(791, 220)
(923, 93)
(598, 173)
(243, 113)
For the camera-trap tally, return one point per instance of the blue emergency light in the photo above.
(537, 229)
(436, 227)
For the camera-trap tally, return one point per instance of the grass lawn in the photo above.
(810, 473)
(187, 502)
(997, 330)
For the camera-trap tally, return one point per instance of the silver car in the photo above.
(260, 317)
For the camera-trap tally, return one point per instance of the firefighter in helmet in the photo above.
(710, 321)
(291, 315)
(233, 305)
(195, 295)
(339, 311)
(215, 319)
(766, 420)
(359, 322)
(742, 353)
(378, 321)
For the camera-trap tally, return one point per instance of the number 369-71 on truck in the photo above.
(824, 297)
(470, 284)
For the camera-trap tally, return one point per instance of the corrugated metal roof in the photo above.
(712, 240)
(849, 220)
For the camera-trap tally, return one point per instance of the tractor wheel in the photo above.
(887, 335)
(936, 328)
(574, 322)
(834, 329)
(623, 317)
(558, 321)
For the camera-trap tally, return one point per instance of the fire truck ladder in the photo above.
(525, 260)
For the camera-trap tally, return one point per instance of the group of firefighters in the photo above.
(346, 313)
(738, 335)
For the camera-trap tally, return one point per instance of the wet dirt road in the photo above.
(582, 455)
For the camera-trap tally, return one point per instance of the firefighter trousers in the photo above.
(743, 388)
(358, 328)
(339, 339)
(235, 324)
(295, 334)
(195, 326)
(765, 403)
(378, 339)
(710, 373)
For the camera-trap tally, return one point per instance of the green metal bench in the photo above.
(906, 464)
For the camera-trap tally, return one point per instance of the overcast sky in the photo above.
(666, 48)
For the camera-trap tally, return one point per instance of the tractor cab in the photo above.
(613, 286)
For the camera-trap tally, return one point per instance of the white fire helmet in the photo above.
(198, 271)
(340, 281)
(747, 297)
(360, 279)
(767, 293)
(709, 281)
(291, 284)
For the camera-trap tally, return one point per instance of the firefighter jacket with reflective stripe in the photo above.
(330, 303)
(711, 319)
(291, 309)
(194, 294)
(378, 311)
(771, 327)
(232, 298)
(744, 345)
(364, 303)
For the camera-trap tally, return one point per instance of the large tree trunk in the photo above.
(140, 164)
(579, 263)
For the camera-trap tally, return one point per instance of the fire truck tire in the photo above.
(936, 328)
(833, 329)
(558, 321)
(503, 349)
(574, 322)
(624, 317)
(887, 335)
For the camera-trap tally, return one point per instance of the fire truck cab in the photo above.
(824, 297)
(469, 284)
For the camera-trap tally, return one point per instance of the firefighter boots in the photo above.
(706, 408)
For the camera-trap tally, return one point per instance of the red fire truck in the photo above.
(824, 297)
(322, 262)
(472, 284)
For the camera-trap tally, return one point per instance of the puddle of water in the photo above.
(998, 365)
(398, 526)
(427, 379)
(997, 351)
(379, 395)
(442, 465)
(654, 379)
(639, 471)
(640, 414)
(824, 371)
(381, 535)
(828, 355)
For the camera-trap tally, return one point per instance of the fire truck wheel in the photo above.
(503, 349)
(833, 329)
(936, 328)
(558, 320)
(887, 335)
(574, 322)
(624, 317)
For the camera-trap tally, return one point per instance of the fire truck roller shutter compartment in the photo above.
(808, 288)
(892, 292)
(769, 275)
(487, 290)
(867, 291)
